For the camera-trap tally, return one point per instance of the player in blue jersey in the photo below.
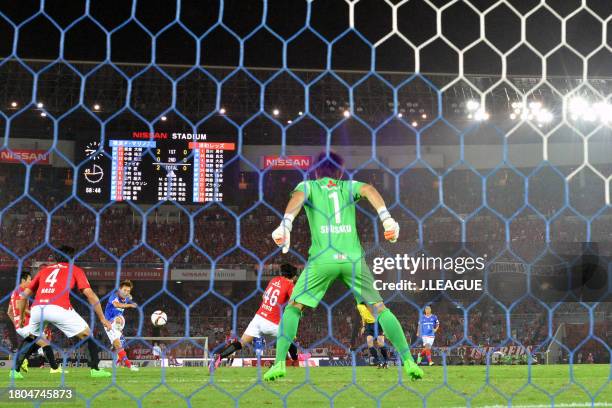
(259, 344)
(428, 326)
(117, 303)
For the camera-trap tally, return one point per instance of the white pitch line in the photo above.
(560, 405)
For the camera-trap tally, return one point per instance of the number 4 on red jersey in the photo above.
(53, 283)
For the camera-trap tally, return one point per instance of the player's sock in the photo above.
(428, 355)
(289, 327)
(94, 358)
(25, 349)
(123, 358)
(394, 332)
(383, 352)
(230, 349)
(293, 352)
(50, 357)
(374, 354)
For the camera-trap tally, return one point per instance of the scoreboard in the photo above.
(147, 168)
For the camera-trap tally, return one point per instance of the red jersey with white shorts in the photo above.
(277, 293)
(53, 283)
(15, 297)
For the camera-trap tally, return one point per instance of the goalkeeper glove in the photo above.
(389, 224)
(282, 234)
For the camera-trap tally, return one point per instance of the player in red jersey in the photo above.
(42, 345)
(13, 312)
(52, 286)
(268, 315)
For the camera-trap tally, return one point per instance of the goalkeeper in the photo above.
(335, 253)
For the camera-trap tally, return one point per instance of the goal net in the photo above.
(169, 351)
(161, 140)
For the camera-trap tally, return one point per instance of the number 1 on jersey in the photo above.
(336, 201)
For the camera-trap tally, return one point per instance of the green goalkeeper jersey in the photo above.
(330, 208)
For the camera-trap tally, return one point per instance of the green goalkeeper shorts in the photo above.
(318, 277)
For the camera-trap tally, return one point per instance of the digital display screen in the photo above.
(182, 167)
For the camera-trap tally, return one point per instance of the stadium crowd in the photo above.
(120, 226)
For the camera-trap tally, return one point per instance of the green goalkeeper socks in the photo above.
(394, 332)
(288, 330)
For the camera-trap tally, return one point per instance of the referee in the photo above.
(372, 329)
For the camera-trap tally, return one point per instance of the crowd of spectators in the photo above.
(119, 228)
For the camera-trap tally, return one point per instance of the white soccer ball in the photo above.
(159, 318)
(119, 323)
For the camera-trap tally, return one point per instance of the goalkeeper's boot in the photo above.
(278, 370)
(16, 375)
(431, 363)
(58, 370)
(25, 366)
(413, 370)
(99, 373)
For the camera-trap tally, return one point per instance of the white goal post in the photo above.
(554, 350)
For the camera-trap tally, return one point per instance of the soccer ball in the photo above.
(119, 323)
(159, 318)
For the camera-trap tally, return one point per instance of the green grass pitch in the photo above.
(457, 386)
